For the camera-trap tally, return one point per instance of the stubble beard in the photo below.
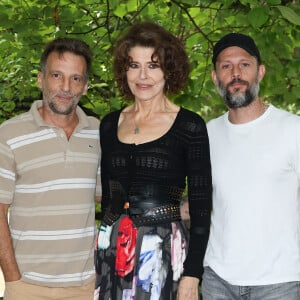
(60, 109)
(238, 99)
(57, 110)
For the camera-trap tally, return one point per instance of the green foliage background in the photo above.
(26, 25)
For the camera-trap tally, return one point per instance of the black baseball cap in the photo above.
(236, 39)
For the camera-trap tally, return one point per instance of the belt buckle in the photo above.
(126, 208)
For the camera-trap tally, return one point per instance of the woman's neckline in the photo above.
(147, 142)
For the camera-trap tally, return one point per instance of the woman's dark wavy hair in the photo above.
(168, 51)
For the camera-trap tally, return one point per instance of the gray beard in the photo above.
(236, 100)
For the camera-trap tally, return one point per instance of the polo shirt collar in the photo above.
(82, 117)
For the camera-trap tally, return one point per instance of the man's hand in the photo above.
(7, 257)
(188, 288)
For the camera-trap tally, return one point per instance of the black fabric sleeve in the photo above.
(106, 131)
(199, 194)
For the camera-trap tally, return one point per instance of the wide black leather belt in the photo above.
(154, 215)
(147, 217)
(146, 205)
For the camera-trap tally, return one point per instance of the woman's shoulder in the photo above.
(110, 120)
(113, 115)
(190, 117)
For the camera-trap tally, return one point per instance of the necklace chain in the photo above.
(136, 129)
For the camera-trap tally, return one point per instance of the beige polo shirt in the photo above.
(50, 183)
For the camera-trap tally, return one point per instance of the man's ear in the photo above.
(261, 72)
(40, 80)
(85, 88)
(214, 77)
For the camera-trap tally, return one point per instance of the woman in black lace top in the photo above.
(151, 150)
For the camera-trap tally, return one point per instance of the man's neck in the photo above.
(66, 122)
(248, 113)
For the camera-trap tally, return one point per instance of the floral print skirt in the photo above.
(143, 263)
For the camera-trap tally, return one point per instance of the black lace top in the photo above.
(178, 157)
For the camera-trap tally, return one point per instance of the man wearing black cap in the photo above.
(254, 246)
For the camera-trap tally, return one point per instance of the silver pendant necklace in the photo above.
(136, 129)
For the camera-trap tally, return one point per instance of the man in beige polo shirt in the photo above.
(49, 170)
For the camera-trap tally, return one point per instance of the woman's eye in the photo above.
(154, 66)
(133, 66)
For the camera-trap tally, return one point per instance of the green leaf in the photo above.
(289, 14)
(120, 11)
(193, 41)
(195, 12)
(258, 16)
(131, 5)
(273, 2)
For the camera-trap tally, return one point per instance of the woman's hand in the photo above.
(188, 288)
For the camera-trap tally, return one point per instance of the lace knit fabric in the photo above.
(179, 157)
